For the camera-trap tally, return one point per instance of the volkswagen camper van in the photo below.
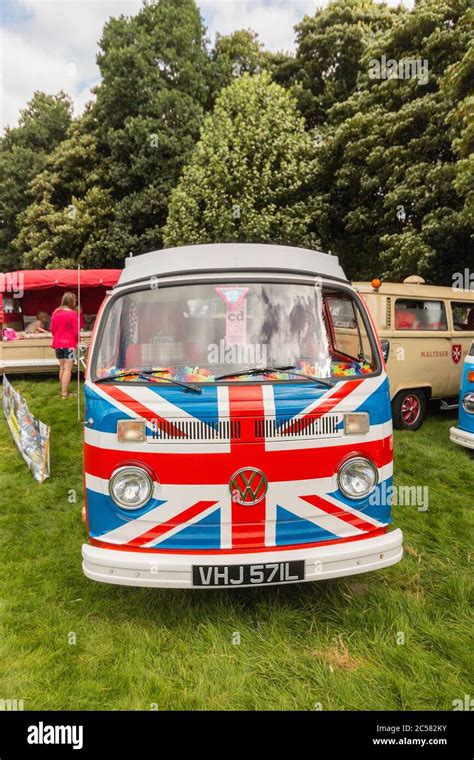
(463, 434)
(425, 331)
(238, 428)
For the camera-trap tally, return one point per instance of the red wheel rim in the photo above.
(410, 409)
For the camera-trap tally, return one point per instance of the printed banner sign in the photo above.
(30, 434)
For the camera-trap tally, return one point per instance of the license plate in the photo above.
(248, 575)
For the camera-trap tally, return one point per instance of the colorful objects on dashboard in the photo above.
(190, 374)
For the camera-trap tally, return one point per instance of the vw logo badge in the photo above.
(248, 486)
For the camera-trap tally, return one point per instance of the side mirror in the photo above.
(385, 344)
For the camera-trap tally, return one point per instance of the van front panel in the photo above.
(293, 434)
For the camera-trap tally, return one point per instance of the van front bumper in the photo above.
(462, 437)
(166, 570)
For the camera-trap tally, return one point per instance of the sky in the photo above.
(51, 45)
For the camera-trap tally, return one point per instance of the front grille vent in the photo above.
(259, 429)
(306, 427)
(195, 430)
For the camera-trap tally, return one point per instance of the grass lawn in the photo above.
(336, 643)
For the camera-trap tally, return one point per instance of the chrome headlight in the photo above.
(357, 477)
(130, 487)
(468, 403)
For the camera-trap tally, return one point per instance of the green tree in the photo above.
(23, 153)
(67, 221)
(457, 88)
(391, 200)
(149, 110)
(248, 176)
(105, 190)
(233, 55)
(330, 48)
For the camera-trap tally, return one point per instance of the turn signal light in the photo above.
(356, 423)
(131, 430)
(470, 377)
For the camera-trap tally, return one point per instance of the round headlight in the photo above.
(130, 487)
(468, 403)
(357, 477)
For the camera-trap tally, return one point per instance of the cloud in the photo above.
(273, 21)
(51, 45)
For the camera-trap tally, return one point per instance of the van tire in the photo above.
(409, 409)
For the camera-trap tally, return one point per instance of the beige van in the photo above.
(425, 331)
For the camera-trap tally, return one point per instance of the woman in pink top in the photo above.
(65, 325)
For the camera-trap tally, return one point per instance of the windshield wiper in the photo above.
(146, 375)
(268, 370)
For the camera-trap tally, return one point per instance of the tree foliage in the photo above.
(118, 166)
(233, 55)
(23, 154)
(394, 197)
(330, 48)
(248, 175)
(149, 109)
(71, 212)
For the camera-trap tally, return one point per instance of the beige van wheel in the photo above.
(409, 409)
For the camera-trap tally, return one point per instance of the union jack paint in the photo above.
(246, 484)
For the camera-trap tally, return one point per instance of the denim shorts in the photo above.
(66, 353)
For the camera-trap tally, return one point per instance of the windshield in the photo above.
(196, 333)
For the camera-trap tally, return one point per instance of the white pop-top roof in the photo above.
(230, 257)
